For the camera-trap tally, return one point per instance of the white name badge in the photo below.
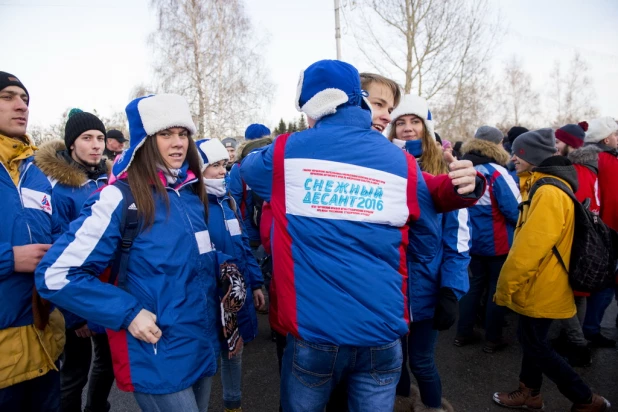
(331, 190)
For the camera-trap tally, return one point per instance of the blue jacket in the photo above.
(437, 254)
(495, 215)
(172, 273)
(71, 186)
(242, 195)
(340, 235)
(229, 236)
(25, 218)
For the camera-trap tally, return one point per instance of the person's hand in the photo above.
(28, 257)
(84, 332)
(144, 327)
(446, 310)
(258, 299)
(462, 174)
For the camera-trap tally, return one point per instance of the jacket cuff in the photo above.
(479, 188)
(132, 315)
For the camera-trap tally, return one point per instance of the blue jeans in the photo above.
(231, 379)
(595, 309)
(419, 349)
(540, 359)
(193, 399)
(40, 394)
(311, 371)
(484, 273)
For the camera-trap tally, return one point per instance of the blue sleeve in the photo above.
(257, 171)
(507, 196)
(68, 273)
(235, 184)
(456, 241)
(253, 273)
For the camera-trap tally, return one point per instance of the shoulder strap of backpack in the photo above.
(559, 184)
(129, 228)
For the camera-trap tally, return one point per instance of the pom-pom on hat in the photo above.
(256, 131)
(211, 151)
(599, 129)
(79, 122)
(416, 105)
(572, 134)
(326, 85)
(148, 115)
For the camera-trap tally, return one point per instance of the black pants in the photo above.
(338, 401)
(74, 373)
(540, 359)
(40, 394)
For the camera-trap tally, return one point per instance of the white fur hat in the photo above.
(599, 129)
(211, 151)
(416, 105)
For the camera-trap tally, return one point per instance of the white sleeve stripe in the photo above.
(463, 233)
(510, 181)
(86, 238)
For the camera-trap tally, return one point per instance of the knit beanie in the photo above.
(78, 123)
(535, 146)
(211, 151)
(599, 129)
(230, 142)
(7, 79)
(416, 105)
(256, 130)
(490, 134)
(515, 132)
(572, 134)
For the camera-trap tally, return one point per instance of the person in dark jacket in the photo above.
(114, 144)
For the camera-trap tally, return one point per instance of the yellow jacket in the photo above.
(532, 281)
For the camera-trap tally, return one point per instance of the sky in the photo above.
(91, 53)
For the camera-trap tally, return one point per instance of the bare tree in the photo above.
(571, 94)
(207, 51)
(519, 102)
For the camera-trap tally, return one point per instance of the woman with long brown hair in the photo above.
(437, 259)
(162, 317)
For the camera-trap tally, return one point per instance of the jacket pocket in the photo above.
(11, 348)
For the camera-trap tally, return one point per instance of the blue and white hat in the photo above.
(416, 105)
(326, 85)
(148, 115)
(256, 131)
(211, 151)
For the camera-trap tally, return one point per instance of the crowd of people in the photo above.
(362, 237)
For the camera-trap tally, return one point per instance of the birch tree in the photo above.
(207, 51)
(519, 101)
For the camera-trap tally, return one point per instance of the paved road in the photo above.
(469, 376)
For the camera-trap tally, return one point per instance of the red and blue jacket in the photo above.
(171, 272)
(495, 215)
(242, 195)
(342, 196)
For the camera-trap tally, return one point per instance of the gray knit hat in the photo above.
(491, 134)
(535, 146)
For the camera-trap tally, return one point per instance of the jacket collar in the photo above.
(482, 152)
(560, 167)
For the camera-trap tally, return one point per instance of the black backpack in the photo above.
(129, 227)
(256, 213)
(593, 260)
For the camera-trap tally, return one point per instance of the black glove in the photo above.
(446, 310)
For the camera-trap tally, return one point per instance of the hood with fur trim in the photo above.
(481, 151)
(53, 164)
(587, 156)
(248, 146)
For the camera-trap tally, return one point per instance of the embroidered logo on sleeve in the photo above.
(333, 190)
(33, 199)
